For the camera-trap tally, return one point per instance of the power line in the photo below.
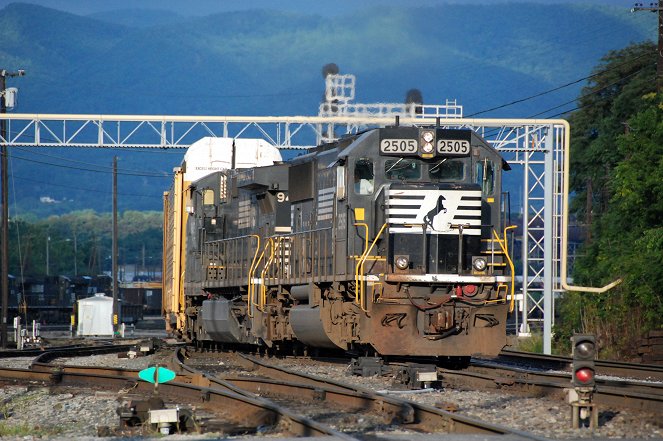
(659, 58)
(594, 92)
(212, 96)
(582, 106)
(164, 175)
(555, 88)
(80, 162)
(82, 188)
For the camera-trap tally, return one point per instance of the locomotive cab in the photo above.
(426, 208)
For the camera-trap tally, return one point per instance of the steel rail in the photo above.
(398, 411)
(627, 386)
(426, 418)
(51, 354)
(33, 352)
(242, 410)
(44, 371)
(603, 367)
(608, 393)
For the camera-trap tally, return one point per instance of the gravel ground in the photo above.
(34, 413)
(543, 416)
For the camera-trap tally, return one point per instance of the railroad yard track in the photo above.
(320, 395)
(237, 394)
(647, 396)
(604, 368)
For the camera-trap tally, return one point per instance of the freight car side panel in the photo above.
(174, 246)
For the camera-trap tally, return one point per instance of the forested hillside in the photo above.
(269, 62)
(617, 174)
(80, 243)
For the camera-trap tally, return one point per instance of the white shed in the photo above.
(95, 316)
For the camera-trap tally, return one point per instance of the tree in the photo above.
(610, 98)
(617, 171)
(81, 242)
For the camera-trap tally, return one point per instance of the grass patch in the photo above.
(534, 344)
(25, 429)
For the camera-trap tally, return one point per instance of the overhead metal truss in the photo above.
(536, 146)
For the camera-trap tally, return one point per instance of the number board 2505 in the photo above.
(399, 146)
(453, 146)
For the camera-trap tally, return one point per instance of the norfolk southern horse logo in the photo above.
(439, 207)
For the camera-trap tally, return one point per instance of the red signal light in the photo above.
(584, 375)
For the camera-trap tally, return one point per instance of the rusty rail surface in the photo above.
(603, 367)
(612, 393)
(73, 349)
(243, 410)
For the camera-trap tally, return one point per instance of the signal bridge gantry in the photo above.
(538, 147)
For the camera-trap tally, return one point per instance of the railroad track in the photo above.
(274, 381)
(243, 394)
(235, 404)
(234, 413)
(529, 375)
(603, 367)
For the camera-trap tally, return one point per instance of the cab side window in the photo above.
(208, 196)
(485, 176)
(364, 177)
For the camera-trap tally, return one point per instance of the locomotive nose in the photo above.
(436, 226)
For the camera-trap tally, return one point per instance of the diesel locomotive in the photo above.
(392, 241)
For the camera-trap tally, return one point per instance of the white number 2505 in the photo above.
(453, 146)
(398, 146)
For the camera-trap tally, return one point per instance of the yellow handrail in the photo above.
(359, 270)
(505, 250)
(357, 282)
(253, 293)
(263, 288)
(254, 264)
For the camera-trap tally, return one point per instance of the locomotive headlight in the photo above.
(427, 142)
(480, 264)
(402, 262)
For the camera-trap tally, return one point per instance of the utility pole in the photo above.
(653, 7)
(116, 320)
(4, 266)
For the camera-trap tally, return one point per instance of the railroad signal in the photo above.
(583, 369)
(581, 398)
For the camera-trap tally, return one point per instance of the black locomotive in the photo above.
(391, 241)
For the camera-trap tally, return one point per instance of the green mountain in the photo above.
(269, 62)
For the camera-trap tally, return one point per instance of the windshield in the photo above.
(402, 169)
(448, 170)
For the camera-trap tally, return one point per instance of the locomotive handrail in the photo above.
(251, 286)
(290, 270)
(359, 280)
(254, 294)
(263, 288)
(365, 225)
(505, 249)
